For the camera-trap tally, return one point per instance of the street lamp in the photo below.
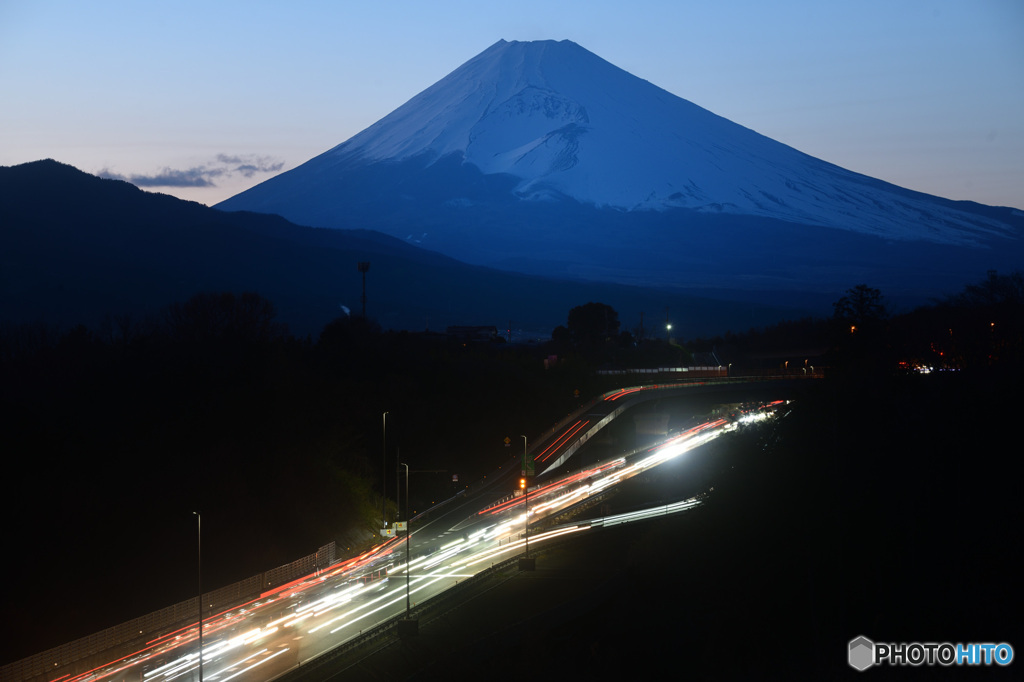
(526, 500)
(384, 477)
(199, 561)
(407, 529)
(407, 627)
(525, 562)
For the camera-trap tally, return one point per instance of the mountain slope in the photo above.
(75, 248)
(515, 152)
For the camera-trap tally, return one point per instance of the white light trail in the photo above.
(647, 513)
(272, 656)
(236, 664)
(400, 590)
(331, 601)
(504, 549)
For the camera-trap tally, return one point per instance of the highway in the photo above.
(297, 622)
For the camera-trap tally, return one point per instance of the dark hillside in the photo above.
(75, 249)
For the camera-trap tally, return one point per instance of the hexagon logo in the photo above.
(862, 653)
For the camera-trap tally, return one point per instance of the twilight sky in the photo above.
(205, 99)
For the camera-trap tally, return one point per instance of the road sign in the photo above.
(387, 532)
(508, 441)
(400, 525)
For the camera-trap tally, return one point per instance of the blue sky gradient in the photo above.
(202, 100)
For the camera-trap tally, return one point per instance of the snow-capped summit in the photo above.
(524, 124)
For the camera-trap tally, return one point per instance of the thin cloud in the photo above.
(201, 176)
(251, 164)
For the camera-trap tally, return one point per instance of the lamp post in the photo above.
(199, 562)
(523, 484)
(384, 477)
(407, 529)
(525, 562)
(398, 485)
(407, 627)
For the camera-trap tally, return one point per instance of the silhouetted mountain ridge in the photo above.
(76, 248)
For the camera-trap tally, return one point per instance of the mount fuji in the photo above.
(541, 157)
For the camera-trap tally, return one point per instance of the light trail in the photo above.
(504, 549)
(268, 658)
(328, 601)
(653, 512)
(553, 448)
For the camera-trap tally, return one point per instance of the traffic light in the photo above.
(522, 483)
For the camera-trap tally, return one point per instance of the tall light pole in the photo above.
(407, 627)
(398, 485)
(527, 464)
(199, 547)
(525, 562)
(384, 477)
(524, 486)
(407, 529)
(527, 471)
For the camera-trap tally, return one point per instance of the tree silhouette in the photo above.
(984, 324)
(592, 324)
(861, 306)
(859, 330)
(223, 316)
